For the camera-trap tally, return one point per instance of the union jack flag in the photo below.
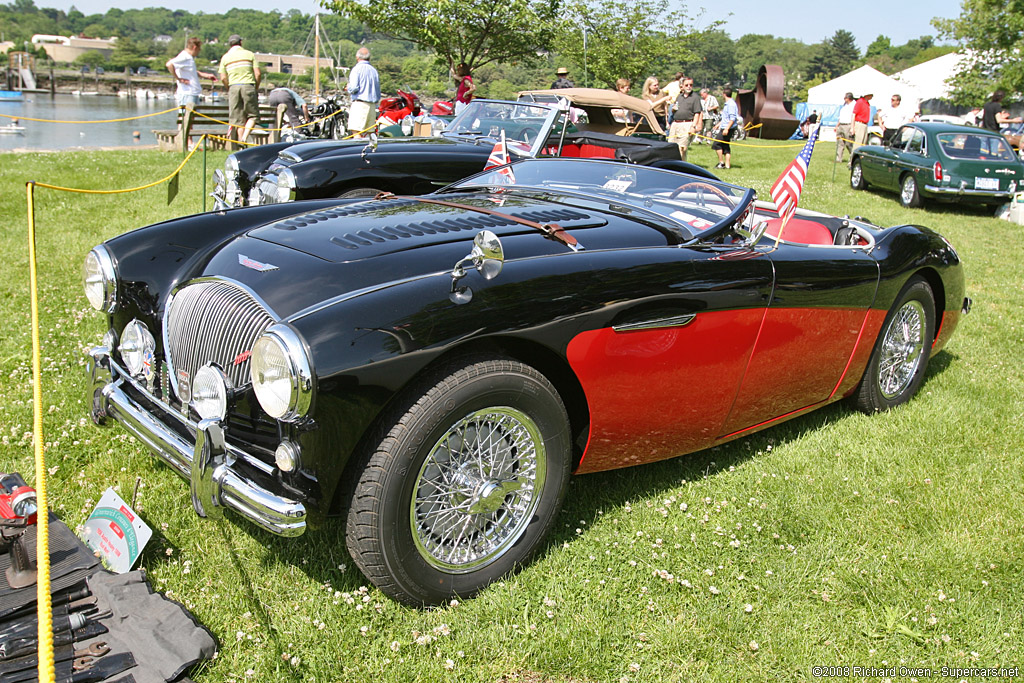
(500, 157)
(786, 190)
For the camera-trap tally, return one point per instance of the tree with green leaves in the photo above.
(835, 56)
(474, 32)
(624, 38)
(993, 32)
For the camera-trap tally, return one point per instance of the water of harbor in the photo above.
(84, 108)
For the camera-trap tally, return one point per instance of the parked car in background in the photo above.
(436, 366)
(359, 168)
(940, 162)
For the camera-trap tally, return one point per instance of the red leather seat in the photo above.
(801, 231)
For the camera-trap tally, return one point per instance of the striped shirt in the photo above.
(238, 64)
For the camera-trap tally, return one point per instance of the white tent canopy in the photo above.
(862, 81)
(929, 78)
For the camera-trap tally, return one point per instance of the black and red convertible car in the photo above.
(435, 367)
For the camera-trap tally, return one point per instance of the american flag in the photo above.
(786, 190)
(500, 157)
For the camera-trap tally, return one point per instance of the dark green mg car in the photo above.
(941, 162)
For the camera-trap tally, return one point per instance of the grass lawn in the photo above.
(835, 539)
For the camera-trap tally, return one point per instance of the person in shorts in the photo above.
(241, 76)
(726, 129)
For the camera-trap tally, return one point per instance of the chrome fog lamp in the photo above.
(232, 191)
(211, 389)
(137, 349)
(219, 184)
(281, 374)
(286, 457)
(100, 280)
(285, 185)
(110, 339)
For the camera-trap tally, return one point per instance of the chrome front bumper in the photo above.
(208, 461)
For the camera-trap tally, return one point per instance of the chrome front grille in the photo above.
(213, 321)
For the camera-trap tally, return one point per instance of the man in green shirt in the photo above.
(241, 76)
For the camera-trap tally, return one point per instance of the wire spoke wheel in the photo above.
(477, 489)
(902, 349)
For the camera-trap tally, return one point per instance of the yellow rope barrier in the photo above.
(133, 189)
(130, 118)
(46, 671)
(44, 607)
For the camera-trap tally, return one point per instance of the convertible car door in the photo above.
(908, 154)
(812, 326)
(661, 377)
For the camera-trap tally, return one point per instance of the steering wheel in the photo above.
(703, 186)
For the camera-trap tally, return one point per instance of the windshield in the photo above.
(701, 206)
(976, 147)
(525, 125)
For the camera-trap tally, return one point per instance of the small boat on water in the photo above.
(85, 92)
(11, 96)
(12, 129)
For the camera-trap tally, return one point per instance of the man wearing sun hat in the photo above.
(563, 79)
(241, 76)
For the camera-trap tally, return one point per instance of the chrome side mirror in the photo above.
(487, 257)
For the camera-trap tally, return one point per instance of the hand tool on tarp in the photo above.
(63, 650)
(22, 638)
(77, 597)
(101, 670)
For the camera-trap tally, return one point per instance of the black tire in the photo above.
(857, 181)
(360, 192)
(900, 357)
(419, 505)
(909, 195)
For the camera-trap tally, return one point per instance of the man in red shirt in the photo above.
(861, 119)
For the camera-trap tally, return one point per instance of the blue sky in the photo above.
(809, 22)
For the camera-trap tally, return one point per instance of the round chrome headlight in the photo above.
(285, 185)
(100, 280)
(210, 390)
(281, 374)
(137, 349)
(231, 165)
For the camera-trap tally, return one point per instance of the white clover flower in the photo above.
(754, 647)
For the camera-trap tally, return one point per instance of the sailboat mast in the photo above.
(316, 60)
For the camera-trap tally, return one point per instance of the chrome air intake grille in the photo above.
(213, 321)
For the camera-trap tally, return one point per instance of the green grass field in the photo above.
(835, 539)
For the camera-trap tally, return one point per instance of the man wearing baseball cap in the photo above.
(241, 76)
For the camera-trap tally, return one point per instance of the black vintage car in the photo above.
(282, 172)
(435, 367)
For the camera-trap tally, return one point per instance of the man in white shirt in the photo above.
(186, 75)
(844, 131)
(893, 116)
(364, 89)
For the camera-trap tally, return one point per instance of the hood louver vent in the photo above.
(566, 218)
(371, 229)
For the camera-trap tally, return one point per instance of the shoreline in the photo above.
(103, 148)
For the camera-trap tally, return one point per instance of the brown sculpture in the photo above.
(764, 106)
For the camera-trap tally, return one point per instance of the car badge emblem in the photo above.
(184, 386)
(242, 357)
(254, 264)
(1009, 171)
